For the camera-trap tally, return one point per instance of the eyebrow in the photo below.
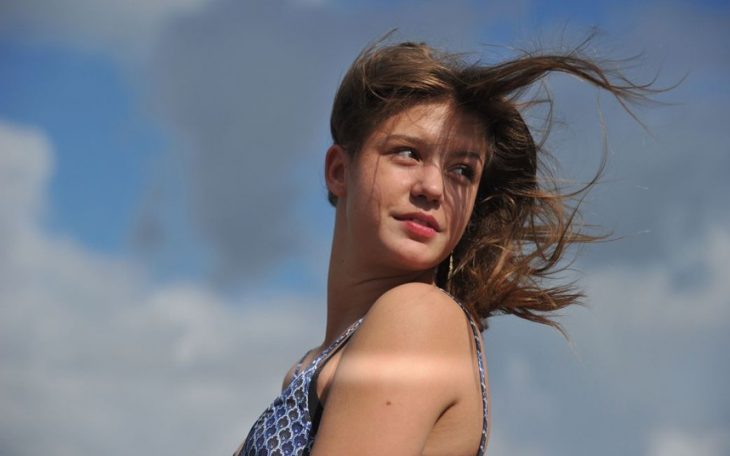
(407, 138)
(420, 142)
(469, 154)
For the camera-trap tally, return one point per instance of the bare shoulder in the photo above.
(422, 312)
(417, 321)
(408, 363)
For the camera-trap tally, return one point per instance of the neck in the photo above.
(352, 288)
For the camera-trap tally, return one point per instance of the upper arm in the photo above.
(397, 375)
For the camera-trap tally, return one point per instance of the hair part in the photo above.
(522, 221)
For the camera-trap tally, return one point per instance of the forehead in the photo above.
(435, 124)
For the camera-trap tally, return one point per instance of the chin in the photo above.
(412, 256)
(414, 261)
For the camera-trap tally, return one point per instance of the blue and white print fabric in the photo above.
(287, 426)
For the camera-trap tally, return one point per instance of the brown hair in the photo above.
(522, 220)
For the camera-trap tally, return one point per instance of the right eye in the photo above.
(407, 153)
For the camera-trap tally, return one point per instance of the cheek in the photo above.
(460, 224)
(460, 207)
(364, 201)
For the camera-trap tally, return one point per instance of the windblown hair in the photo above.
(522, 221)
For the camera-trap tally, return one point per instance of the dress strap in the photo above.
(314, 405)
(337, 344)
(298, 367)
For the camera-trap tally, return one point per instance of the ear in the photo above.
(335, 170)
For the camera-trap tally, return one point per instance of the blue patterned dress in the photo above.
(289, 425)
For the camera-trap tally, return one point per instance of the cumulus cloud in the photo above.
(680, 442)
(690, 293)
(498, 445)
(652, 338)
(99, 360)
(22, 180)
(124, 29)
(645, 358)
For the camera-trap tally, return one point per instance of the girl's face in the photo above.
(411, 189)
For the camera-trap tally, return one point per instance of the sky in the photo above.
(164, 229)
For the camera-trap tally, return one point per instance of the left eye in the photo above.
(465, 171)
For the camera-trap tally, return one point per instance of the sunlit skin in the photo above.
(417, 161)
(428, 161)
(407, 382)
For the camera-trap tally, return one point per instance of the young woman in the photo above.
(443, 217)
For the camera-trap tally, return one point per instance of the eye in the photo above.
(407, 153)
(464, 172)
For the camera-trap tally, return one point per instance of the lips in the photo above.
(419, 218)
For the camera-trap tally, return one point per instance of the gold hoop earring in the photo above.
(451, 266)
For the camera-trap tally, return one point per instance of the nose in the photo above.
(429, 183)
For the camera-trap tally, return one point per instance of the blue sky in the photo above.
(106, 144)
(156, 155)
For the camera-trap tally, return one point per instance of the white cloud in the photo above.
(25, 169)
(98, 360)
(501, 445)
(661, 297)
(680, 442)
(125, 28)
